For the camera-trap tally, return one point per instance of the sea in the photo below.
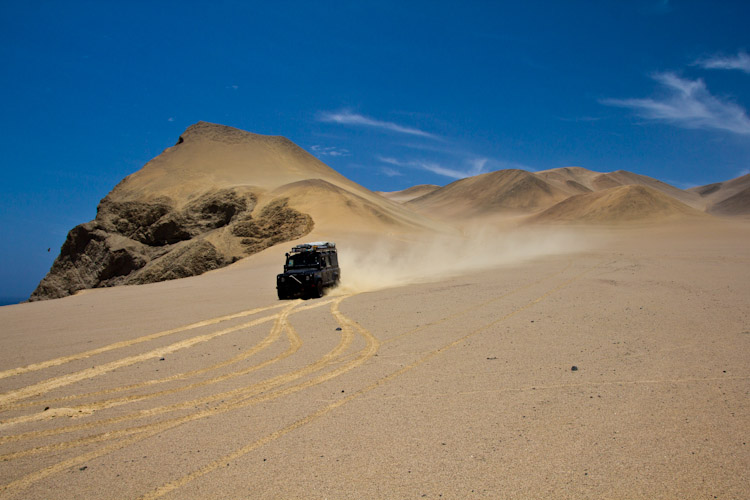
(8, 301)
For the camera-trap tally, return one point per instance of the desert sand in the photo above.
(563, 334)
(420, 377)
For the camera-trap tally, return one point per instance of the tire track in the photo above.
(87, 409)
(233, 396)
(179, 376)
(134, 435)
(126, 343)
(280, 324)
(63, 380)
(256, 393)
(216, 464)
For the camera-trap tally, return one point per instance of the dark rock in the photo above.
(276, 223)
(574, 368)
(137, 242)
(189, 259)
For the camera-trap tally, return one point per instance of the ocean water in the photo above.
(7, 301)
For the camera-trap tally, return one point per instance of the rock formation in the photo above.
(144, 242)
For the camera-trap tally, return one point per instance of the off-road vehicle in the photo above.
(309, 269)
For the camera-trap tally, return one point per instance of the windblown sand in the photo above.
(441, 369)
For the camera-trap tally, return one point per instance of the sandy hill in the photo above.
(726, 198)
(217, 195)
(621, 204)
(512, 190)
(517, 191)
(409, 194)
(577, 180)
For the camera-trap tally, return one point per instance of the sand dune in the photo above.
(622, 204)
(410, 193)
(736, 204)
(335, 209)
(578, 180)
(210, 156)
(515, 191)
(727, 198)
(508, 192)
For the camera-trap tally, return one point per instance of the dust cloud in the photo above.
(387, 263)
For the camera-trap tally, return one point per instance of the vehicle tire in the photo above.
(282, 295)
(318, 293)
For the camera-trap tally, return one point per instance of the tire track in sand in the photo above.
(155, 428)
(90, 408)
(63, 380)
(216, 464)
(126, 343)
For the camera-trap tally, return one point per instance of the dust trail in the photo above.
(389, 263)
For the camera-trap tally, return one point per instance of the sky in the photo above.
(389, 93)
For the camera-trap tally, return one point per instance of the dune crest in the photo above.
(503, 190)
(621, 204)
(410, 193)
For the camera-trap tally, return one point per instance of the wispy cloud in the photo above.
(741, 62)
(688, 104)
(472, 167)
(319, 150)
(349, 118)
(391, 172)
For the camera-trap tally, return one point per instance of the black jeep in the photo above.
(310, 268)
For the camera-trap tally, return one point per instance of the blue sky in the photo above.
(390, 94)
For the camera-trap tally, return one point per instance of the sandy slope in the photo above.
(209, 156)
(577, 180)
(519, 192)
(731, 197)
(410, 193)
(509, 191)
(618, 205)
(397, 387)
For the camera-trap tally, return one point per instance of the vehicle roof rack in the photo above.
(315, 245)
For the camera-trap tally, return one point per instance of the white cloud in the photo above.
(349, 118)
(474, 167)
(688, 104)
(741, 62)
(390, 172)
(328, 151)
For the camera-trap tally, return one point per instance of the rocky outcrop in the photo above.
(136, 242)
(276, 223)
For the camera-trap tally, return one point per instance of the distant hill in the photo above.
(522, 192)
(579, 180)
(512, 191)
(621, 204)
(410, 193)
(730, 197)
